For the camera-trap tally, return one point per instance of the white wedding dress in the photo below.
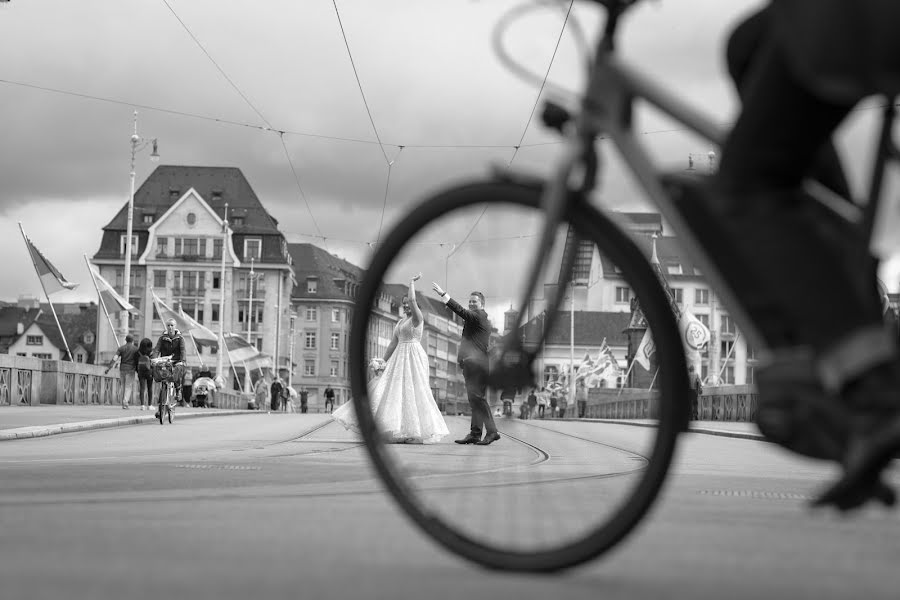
(401, 399)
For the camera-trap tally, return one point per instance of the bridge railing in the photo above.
(720, 403)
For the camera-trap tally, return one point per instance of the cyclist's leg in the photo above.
(745, 45)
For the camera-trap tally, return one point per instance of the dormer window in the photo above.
(237, 221)
(312, 285)
(174, 193)
(148, 219)
(252, 248)
(217, 194)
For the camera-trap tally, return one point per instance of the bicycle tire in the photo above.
(673, 415)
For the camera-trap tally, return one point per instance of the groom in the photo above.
(473, 359)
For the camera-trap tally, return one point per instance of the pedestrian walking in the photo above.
(304, 400)
(145, 373)
(127, 357)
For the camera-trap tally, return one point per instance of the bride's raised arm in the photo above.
(413, 304)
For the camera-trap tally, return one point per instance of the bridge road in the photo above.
(214, 508)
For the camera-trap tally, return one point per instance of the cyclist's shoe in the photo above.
(874, 400)
(795, 410)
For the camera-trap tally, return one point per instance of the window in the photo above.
(34, 340)
(217, 280)
(622, 295)
(726, 349)
(751, 375)
(335, 341)
(214, 312)
(335, 315)
(162, 246)
(88, 337)
(703, 319)
(678, 294)
(728, 375)
(309, 368)
(21, 354)
(44, 355)
(701, 297)
(148, 219)
(334, 368)
(252, 248)
(217, 248)
(259, 344)
(134, 245)
(159, 279)
(311, 313)
(191, 219)
(751, 353)
(189, 246)
(582, 267)
(311, 285)
(80, 357)
(726, 325)
(311, 340)
(674, 269)
(237, 221)
(550, 373)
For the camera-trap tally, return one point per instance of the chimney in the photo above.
(20, 328)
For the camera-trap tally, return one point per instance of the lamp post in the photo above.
(137, 143)
(291, 352)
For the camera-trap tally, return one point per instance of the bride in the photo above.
(401, 399)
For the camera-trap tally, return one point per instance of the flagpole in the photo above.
(654, 379)
(197, 348)
(102, 303)
(727, 356)
(43, 287)
(625, 378)
(219, 362)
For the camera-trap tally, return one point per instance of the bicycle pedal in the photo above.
(795, 410)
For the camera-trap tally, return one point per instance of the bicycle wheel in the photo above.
(163, 402)
(549, 494)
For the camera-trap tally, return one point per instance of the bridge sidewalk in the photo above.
(18, 422)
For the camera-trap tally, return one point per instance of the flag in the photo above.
(239, 349)
(657, 268)
(166, 313)
(109, 297)
(645, 350)
(51, 278)
(694, 334)
(202, 335)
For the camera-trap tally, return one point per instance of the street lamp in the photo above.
(137, 143)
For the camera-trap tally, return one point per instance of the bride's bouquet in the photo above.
(376, 366)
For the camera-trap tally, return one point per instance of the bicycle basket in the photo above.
(163, 371)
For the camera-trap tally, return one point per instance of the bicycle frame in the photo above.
(606, 109)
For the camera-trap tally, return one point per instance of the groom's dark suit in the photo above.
(473, 359)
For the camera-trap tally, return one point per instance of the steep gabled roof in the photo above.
(312, 261)
(669, 253)
(74, 325)
(216, 185)
(10, 317)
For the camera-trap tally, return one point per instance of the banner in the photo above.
(166, 313)
(694, 334)
(645, 350)
(51, 278)
(109, 296)
(203, 336)
(239, 349)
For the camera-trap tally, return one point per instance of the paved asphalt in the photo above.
(246, 506)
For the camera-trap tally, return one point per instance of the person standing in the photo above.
(473, 359)
(532, 404)
(127, 356)
(277, 389)
(329, 399)
(145, 373)
(304, 400)
(260, 394)
(695, 388)
(187, 386)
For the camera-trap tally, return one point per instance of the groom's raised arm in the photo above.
(455, 306)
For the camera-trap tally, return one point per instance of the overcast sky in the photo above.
(210, 79)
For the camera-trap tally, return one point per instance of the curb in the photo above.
(34, 431)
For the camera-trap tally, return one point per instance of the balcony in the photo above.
(192, 291)
(244, 293)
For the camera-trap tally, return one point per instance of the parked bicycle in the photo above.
(526, 503)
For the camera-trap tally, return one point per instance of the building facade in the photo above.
(237, 279)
